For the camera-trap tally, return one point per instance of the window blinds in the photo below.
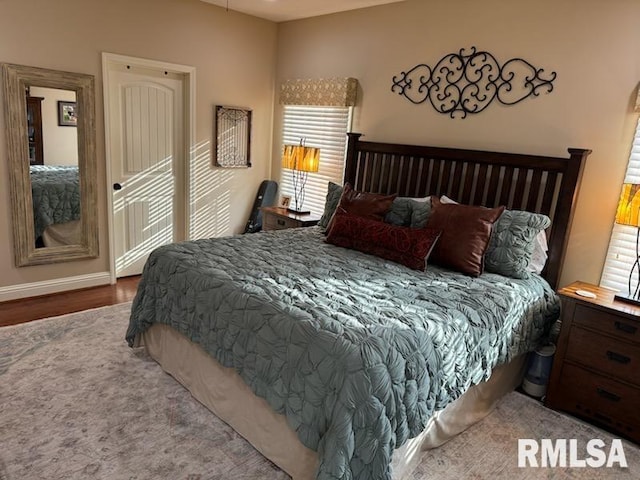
(322, 127)
(622, 246)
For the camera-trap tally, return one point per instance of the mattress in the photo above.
(356, 352)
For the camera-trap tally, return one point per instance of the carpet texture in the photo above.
(77, 403)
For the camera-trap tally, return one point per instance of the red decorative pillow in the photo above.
(408, 246)
(465, 235)
(363, 204)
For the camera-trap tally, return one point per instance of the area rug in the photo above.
(77, 403)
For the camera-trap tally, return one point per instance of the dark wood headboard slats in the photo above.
(532, 200)
(468, 182)
(535, 183)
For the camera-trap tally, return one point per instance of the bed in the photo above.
(336, 364)
(56, 197)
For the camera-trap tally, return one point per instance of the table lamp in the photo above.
(301, 160)
(628, 213)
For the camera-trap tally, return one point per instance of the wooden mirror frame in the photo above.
(16, 79)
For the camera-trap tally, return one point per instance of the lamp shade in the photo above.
(301, 158)
(628, 212)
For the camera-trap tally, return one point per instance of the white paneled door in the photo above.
(146, 137)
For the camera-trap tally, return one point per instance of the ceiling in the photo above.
(284, 10)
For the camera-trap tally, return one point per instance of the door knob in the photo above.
(117, 186)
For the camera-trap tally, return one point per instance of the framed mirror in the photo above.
(50, 128)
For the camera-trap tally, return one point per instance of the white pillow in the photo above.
(540, 247)
(418, 199)
(539, 255)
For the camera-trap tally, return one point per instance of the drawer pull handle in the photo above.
(616, 357)
(281, 223)
(626, 328)
(608, 395)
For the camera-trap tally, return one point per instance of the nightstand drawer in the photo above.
(604, 400)
(615, 325)
(273, 222)
(612, 357)
(279, 218)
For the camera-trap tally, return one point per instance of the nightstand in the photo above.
(596, 369)
(277, 218)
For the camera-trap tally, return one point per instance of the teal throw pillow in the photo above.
(512, 242)
(400, 212)
(420, 211)
(334, 192)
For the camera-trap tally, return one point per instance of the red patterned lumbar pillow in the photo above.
(408, 246)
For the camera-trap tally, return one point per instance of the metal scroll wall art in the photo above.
(233, 137)
(467, 82)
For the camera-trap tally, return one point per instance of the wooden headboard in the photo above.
(547, 185)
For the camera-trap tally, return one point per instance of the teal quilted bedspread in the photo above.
(56, 195)
(355, 351)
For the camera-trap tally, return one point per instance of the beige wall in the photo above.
(234, 57)
(593, 45)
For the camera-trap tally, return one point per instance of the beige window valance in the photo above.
(331, 92)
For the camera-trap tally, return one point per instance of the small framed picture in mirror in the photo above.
(67, 114)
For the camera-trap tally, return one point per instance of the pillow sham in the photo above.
(513, 241)
(363, 204)
(466, 231)
(518, 243)
(420, 211)
(539, 256)
(400, 212)
(334, 192)
(410, 247)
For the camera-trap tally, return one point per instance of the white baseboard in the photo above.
(24, 290)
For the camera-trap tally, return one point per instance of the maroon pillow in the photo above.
(363, 204)
(465, 235)
(408, 246)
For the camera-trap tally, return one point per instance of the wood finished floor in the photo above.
(28, 309)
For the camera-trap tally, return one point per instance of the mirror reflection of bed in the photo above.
(53, 167)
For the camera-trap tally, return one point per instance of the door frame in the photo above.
(189, 123)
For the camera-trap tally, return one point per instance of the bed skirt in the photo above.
(61, 234)
(223, 392)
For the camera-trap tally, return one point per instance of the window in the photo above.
(325, 128)
(622, 246)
